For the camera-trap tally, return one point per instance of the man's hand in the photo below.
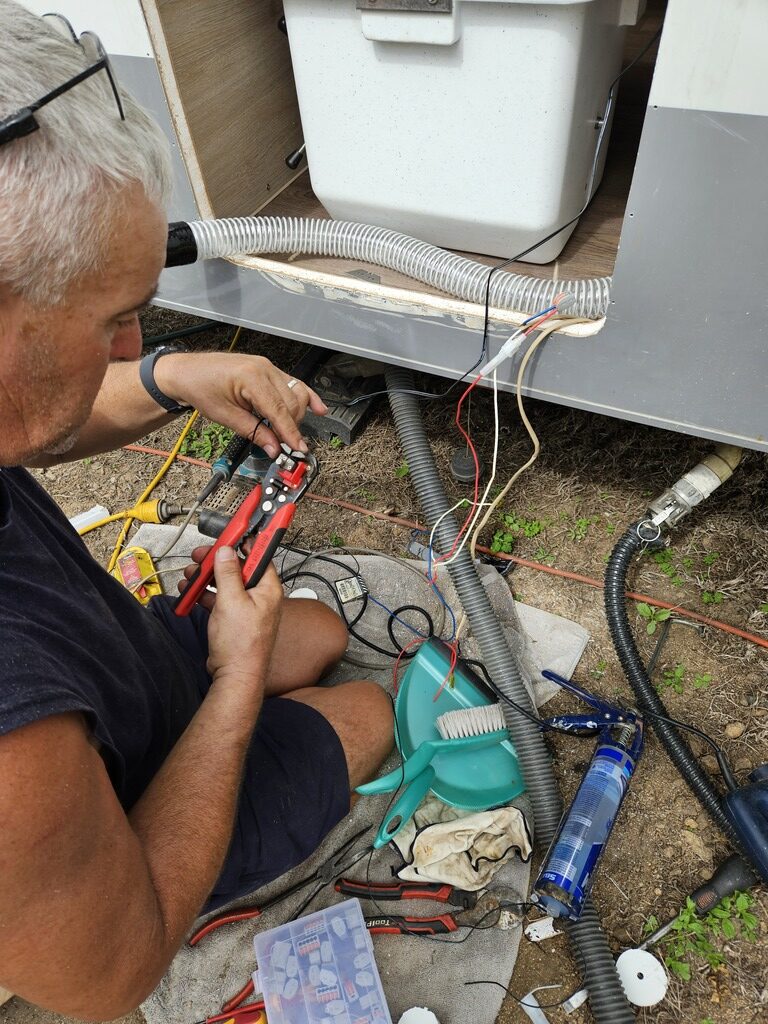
(243, 623)
(238, 391)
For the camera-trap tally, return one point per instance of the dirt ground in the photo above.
(593, 479)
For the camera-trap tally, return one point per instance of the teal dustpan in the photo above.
(473, 773)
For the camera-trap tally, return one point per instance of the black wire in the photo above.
(391, 621)
(518, 707)
(722, 761)
(183, 332)
(522, 1002)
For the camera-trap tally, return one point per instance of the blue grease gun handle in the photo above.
(747, 807)
(566, 875)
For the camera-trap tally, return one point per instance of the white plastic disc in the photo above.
(304, 592)
(643, 977)
(418, 1015)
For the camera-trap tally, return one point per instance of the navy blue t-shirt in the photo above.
(74, 639)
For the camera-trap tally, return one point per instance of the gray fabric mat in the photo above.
(414, 971)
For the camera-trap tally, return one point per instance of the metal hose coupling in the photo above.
(696, 485)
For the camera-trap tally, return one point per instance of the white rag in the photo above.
(464, 849)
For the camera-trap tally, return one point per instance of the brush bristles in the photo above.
(454, 725)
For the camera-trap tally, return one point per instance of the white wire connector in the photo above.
(514, 341)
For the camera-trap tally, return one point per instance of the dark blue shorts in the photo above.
(295, 782)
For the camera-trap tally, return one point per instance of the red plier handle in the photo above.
(231, 536)
(392, 925)
(218, 922)
(437, 891)
(265, 513)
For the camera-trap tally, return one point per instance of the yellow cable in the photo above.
(551, 327)
(161, 472)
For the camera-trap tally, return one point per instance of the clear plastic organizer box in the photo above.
(320, 970)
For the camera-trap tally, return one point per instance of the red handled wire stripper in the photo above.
(266, 513)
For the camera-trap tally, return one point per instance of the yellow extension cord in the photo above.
(127, 514)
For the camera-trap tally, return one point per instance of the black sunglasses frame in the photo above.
(23, 122)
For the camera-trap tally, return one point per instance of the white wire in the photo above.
(483, 502)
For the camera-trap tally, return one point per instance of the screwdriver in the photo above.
(224, 466)
(731, 876)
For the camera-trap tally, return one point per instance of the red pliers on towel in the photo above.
(473, 910)
(265, 513)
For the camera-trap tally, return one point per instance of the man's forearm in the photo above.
(184, 820)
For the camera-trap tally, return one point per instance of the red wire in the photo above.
(416, 640)
(470, 445)
(454, 658)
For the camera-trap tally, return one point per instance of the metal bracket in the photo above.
(430, 6)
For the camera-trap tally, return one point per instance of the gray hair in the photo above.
(61, 186)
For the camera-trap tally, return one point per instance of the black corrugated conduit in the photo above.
(645, 693)
(595, 960)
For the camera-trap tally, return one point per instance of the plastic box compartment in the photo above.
(321, 970)
(473, 129)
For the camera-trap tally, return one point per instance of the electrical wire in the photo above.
(522, 1002)
(182, 332)
(536, 322)
(530, 351)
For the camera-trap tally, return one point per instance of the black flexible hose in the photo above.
(607, 999)
(647, 698)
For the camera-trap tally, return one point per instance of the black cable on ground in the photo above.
(182, 332)
(647, 698)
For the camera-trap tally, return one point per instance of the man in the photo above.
(138, 782)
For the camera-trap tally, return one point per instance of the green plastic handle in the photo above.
(422, 756)
(402, 810)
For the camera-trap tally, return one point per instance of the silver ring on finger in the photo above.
(292, 383)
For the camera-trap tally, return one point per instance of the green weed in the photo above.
(701, 682)
(673, 679)
(711, 558)
(665, 561)
(599, 670)
(515, 526)
(402, 470)
(207, 443)
(579, 529)
(712, 597)
(692, 936)
(503, 542)
(519, 525)
(336, 541)
(366, 495)
(652, 616)
(764, 609)
(542, 555)
(335, 442)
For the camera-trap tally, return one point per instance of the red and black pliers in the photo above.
(390, 924)
(265, 514)
(472, 909)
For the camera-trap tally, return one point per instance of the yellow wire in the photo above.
(161, 472)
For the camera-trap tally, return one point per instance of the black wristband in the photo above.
(147, 378)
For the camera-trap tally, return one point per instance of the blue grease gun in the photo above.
(569, 866)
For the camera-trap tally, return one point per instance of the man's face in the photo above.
(54, 360)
